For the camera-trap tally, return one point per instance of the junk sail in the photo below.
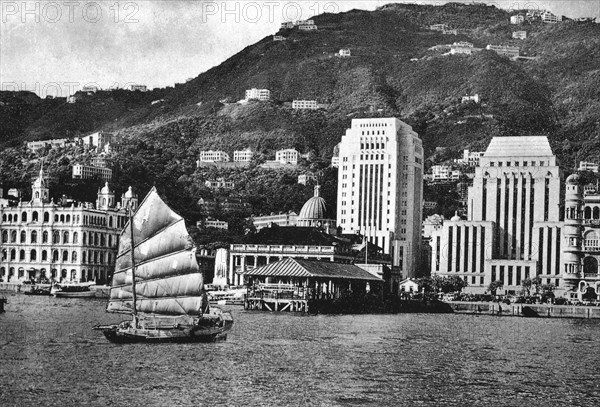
(167, 276)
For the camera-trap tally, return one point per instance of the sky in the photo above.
(57, 47)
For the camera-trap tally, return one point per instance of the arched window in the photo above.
(33, 255)
(55, 255)
(46, 217)
(24, 217)
(13, 236)
(65, 256)
(74, 257)
(68, 218)
(37, 194)
(596, 212)
(102, 240)
(84, 238)
(55, 218)
(96, 239)
(13, 254)
(75, 237)
(22, 254)
(83, 257)
(4, 217)
(109, 240)
(45, 237)
(34, 216)
(44, 255)
(110, 221)
(66, 237)
(56, 237)
(23, 236)
(587, 212)
(62, 218)
(5, 236)
(4, 254)
(33, 236)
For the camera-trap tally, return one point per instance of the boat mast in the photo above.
(135, 320)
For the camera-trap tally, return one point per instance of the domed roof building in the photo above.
(313, 212)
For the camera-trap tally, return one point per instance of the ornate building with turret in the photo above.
(581, 249)
(41, 239)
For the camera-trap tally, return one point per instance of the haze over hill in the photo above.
(392, 72)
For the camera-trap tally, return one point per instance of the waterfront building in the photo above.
(295, 281)
(78, 242)
(211, 156)
(518, 19)
(506, 50)
(305, 104)
(587, 166)
(258, 94)
(242, 155)
(512, 231)
(287, 156)
(380, 188)
(581, 249)
(81, 171)
(275, 219)
(275, 243)
(519, 35)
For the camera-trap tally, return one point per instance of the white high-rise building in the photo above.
(380, 188)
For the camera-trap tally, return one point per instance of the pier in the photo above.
(525, 310)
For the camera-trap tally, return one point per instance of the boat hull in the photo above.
(207, 330)
(80, 294)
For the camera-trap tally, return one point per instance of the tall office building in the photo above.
(513, 229)
(380, 188)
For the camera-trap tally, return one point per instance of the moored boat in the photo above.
(39, 289)
(73, 290)
(158, 282)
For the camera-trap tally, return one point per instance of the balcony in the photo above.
(592, 275)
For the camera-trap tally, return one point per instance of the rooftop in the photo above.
(289, 267)
(519, 146)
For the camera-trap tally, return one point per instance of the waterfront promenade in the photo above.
(525, 310)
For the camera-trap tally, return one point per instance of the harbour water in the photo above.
(50, 356)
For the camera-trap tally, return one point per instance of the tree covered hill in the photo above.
(394, 70)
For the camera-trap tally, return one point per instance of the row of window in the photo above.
(90, 256)
(517, 163)
(95, 239)
(87, 219)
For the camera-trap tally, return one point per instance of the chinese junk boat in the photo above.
(159, 282)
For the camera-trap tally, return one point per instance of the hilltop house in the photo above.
(287, 156)
(519, 35)
(305, 104)
(438, 27)
(506, 50)
(548, 17)
(141, 88)
(344, 53)
(308, 27)
(242, 155)
(462, 47)
(211, 156)
(518, 19)
(258, 94)
(278, 38)
(474, 98)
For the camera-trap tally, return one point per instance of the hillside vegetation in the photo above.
(392, 71)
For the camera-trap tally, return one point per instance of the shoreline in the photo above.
(525, 310)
